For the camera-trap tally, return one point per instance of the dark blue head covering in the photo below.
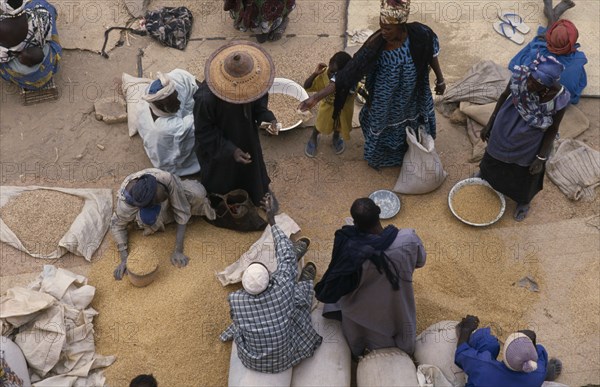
(155, 87)
(143, 191)
(546, 70)
(149, 214)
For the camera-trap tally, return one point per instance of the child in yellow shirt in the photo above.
(318, 80)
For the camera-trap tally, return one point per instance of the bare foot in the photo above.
(521, 212)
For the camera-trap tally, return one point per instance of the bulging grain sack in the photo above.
(422, 169)
(138, 110)
(386, 367)
(436, 346)
(82, 237)
(240, 376)
(331, 363)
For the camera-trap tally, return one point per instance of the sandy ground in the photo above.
(468, 271)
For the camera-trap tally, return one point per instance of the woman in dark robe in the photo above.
(230, 105)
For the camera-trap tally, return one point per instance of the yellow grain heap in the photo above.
(40, 218)
(284, 108)
(476, 203)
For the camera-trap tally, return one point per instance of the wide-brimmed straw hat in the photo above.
(239, 72)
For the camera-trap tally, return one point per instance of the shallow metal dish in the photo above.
(475, 181)
(387, 201)
(291, 88)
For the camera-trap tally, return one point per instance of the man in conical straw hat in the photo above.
(230, 105)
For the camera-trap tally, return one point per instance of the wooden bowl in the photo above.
(142, 280)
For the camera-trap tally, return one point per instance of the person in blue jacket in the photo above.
(525, 363)
(558, 39)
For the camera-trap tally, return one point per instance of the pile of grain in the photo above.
(142, 261)
(476, 203)
(40, 218)
(284, 108)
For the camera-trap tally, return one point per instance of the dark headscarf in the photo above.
(561, 37)
(143, 191)
(364, 61)
(351, 248)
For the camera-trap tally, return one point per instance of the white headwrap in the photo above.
(255, 278)
(168, 87)
(519, 353)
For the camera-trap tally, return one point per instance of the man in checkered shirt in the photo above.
(271, 325)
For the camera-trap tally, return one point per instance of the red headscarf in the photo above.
(561, 37)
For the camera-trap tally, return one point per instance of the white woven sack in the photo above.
(87, 230)
(240, 376)
(330, 365)
(436, 346)
(388, 367)
(138, 110)
(422, 169)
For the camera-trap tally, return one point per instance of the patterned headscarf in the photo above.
(546, 70)
(394, 11)
(561, 37)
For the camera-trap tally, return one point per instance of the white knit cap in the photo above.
(255, 278)
(519, 353)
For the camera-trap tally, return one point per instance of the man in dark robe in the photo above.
(229, 108)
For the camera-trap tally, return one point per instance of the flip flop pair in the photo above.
(511, 26)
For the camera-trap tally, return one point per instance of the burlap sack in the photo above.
(436, 346)
(86, 232)
(575, 169)
(422, 169)
(240, 376)
(330, 365)
(138, 110)
(386, 367)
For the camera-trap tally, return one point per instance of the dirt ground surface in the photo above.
(171, 328)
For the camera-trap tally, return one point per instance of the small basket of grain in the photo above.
(142, 268)
(474, 202)
(284, 97)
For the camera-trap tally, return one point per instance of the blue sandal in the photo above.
(339, 146)
(311, 148)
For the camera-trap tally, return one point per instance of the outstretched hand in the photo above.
(307, 104)
(179, 259)
(468, 324)
(536, 167)
(267, 204)
(440, 89)
(120, 271)
(320, 68)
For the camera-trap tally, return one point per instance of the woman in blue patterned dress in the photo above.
(396, 60)
(29, 45)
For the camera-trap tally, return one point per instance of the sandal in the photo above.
(508, 31)
(311, 147)
(515, 21)
(278, 32)
(339, 146)
(521, 212)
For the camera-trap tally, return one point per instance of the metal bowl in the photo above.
(291, 88)
(387, 201)
(475, 181)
